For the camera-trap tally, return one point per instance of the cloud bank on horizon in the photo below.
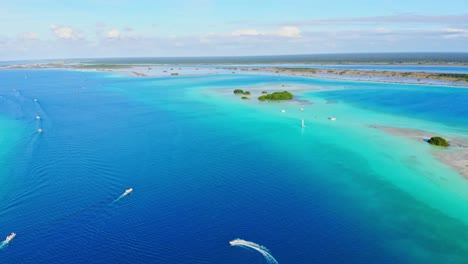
(95, 28)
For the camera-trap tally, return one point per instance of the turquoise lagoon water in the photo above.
(208, 167)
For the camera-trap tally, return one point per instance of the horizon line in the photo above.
(243, 56)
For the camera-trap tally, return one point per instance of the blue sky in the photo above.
(123, 28)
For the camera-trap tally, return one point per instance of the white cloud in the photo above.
(113, 34)
(250, 41)
(455, 33)
(287, 32)
(65, 32)
(28, 36)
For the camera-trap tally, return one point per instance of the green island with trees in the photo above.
(240, 91)
(276, 96)
(438, 141)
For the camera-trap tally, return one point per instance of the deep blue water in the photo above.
(202, 177)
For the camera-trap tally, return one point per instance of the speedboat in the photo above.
(38, 117)
(331, 118)
(10, 237)
(129, 190)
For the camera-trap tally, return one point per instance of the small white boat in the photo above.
(35, 100)
(38, 117)
(283, 111)
(302, 109)
(9, 238)
(129, 190)
(303, 125)
(331, 118)
(39, 130)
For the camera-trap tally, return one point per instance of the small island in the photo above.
(438, 141)
(277, 96)
(242, 92)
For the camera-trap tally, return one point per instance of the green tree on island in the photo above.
(285, 95)
(238, 91)
(438, 141)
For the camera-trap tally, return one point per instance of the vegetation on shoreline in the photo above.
(415, 77)
(438, 141)
(460, 76)
(277, 96)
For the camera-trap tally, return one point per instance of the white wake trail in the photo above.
(261, 249)
(127, 192)
(120, 197)
(3, 244)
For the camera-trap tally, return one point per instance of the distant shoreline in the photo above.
(387, 76)
(452, 79)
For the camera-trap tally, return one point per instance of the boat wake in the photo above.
(120, 197)
(4, 244)
(261, 249)
(7, 240)
(127, 192)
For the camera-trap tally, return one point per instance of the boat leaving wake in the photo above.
(128, 191)
(7, 240)
(263, 250)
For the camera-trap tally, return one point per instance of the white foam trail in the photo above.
(127, 192)
(263, 250)
(120, 197)
(3, 244)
